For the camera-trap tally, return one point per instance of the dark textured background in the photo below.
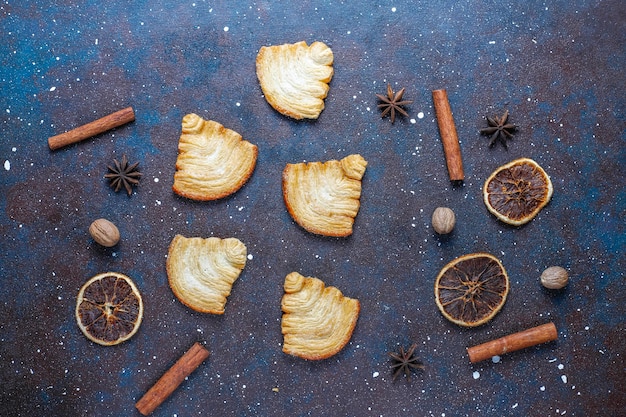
(557, 66)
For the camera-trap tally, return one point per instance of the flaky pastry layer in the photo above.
(201, 272)
(324, 198)
(317, 321)
(294, 77)
(213, 161)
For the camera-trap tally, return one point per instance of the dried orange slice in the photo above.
(109, 308)
(517, 191)
(471, 289)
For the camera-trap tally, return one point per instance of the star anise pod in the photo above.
(392, 103)
(405, 362)
(123, 175)
(499, 129)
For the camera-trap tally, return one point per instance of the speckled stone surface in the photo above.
(558, 67)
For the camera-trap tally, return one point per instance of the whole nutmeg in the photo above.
(104, 232)
(443, 220)
(554, 278)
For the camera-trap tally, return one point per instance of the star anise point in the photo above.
(499, 129)
(123, 175)
(393, 103)
(405, 362)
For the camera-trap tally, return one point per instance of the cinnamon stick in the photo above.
(516, 341)
(91, 129)
(172, 379)
(449, 137)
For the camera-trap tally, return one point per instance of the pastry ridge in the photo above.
(294, 77)
(213, 161)
(201, 272)
(324, 198)
(318, 321)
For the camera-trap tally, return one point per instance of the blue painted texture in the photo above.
(558, 67)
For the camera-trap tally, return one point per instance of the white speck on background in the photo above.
(420, 115)
(564, 379)
(52, 88)
(226, 28)
(413, 121)
(560, 366)
(495, 359)
(237, 104)
(476, 374)
(156, 180)
(514, 405)
(393, 9)
(542, 388)
(96, 42)
(375, 375)
(7, 165)
(492, 42)
(250, 256)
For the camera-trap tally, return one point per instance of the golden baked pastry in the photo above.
(213, 161)
(294, 77)
(324, 198)
(318, 321)
(201, 272)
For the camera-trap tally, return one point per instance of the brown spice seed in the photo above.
(104, 232)
(443, 220)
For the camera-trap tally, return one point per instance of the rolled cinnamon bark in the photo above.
(172, 379)
(449, 137)
(91, 129)
(516, 341)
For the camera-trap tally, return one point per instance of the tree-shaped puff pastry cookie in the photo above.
(201, 272)
(318, 321)
(213, 161)
(324, 198)
(294, 77)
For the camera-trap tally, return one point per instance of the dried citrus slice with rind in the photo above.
(109, 308)
(471, 289)
(517, 191)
